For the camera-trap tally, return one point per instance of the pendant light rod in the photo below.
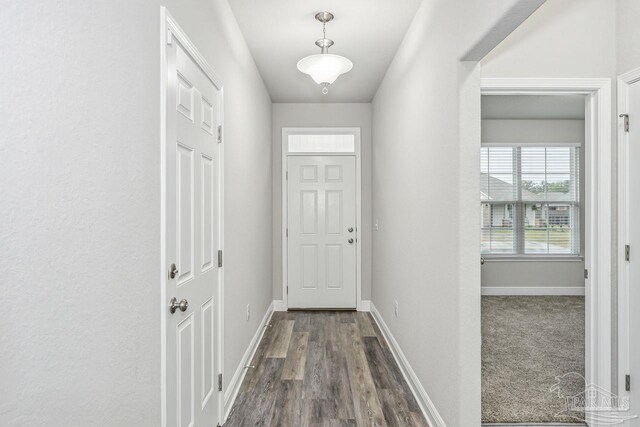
(324, 43)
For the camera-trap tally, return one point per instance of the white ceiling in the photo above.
(280, 33)
(533, 107)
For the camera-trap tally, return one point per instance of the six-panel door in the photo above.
(191, 233)
(321, 232)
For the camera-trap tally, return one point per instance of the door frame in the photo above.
(624, 81)
(355, 131)
(169, 30)
(597, 205)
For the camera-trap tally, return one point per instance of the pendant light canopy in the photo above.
(324, 68)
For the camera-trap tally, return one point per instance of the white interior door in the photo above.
(321, 231)
(634, 242)
(191, 241)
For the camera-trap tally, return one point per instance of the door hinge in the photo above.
(287, 289)
(219, 134)
(286, 174)
(627, 382)
(625, 117)
(586, 273)
(169, 37)
(627, 252)
(287, 232)
(219, 258)
(219, 382)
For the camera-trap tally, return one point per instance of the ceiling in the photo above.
(533, 107)
(280, 33)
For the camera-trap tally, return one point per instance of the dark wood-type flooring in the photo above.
(324, 368)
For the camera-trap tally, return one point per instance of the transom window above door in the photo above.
(529, 200)
(321, 143)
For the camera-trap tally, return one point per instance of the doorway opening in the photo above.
(321, 194)
(545, 247)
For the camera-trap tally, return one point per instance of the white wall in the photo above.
(496, 273)
(426, 143)
(321, 115)
(532, 131)
(80, 211)
(628, 35)
(563, 38)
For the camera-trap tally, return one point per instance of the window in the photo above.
(529, 200)
(303, 143)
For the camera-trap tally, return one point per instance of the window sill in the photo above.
(532, 258)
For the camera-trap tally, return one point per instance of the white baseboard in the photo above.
(279, 305)
(533, 290)
(234, 385)
(428, 409)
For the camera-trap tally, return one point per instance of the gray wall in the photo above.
(426, 130)
(530, 273)
(80, 185)
(321, 115)
(628, 35)
(563, 38)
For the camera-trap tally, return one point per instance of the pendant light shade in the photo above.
(324, 68)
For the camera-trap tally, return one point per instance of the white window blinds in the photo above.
(529, 200)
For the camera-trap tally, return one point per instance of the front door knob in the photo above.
(173, 271)
(174, 305)
(350, 240)
(350, 229)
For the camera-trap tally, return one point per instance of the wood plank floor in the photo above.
(324, 368)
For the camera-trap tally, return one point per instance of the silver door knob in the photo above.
(350, 240)
(481, 260)
(174, 305)
(350, 229)
(173, 271)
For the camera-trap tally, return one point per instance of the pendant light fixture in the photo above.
(324, 68)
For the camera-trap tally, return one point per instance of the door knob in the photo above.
(350, 229)
(481, 260)
(350, 240)
(173, 271)
(174, 305)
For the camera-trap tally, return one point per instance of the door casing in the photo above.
(355, 131)
(624, 187)
(170, 29)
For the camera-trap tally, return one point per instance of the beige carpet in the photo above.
(530, 345)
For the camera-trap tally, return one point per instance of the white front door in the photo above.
(633, 283)
(191, 199)
(321, 232)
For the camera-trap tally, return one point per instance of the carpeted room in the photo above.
(532, 358)
(533, 312)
